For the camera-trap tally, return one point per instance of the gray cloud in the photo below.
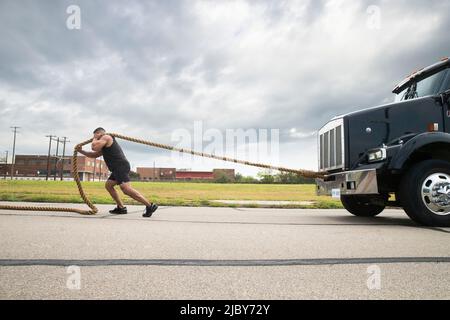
(146, 68)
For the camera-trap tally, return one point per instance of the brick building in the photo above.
(147, 174)
(194, 175)
(172, 174)
(35, 167)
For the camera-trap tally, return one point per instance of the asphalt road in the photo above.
(221, 253)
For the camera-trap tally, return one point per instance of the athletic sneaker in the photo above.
(149, 210)
(118, 210)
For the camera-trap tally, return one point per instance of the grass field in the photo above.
(165, 193)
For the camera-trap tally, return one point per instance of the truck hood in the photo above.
(373, 127)
(367, 110)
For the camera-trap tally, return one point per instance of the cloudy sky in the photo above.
(155, 69)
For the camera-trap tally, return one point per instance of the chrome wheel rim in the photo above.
(435, 193)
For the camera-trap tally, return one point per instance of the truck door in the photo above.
(447, 116)
(445, 87)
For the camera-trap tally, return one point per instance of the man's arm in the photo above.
(88, 154)
(98, 144)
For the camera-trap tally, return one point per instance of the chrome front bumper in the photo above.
(350, 182)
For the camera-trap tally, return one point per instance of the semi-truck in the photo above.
(393, 155)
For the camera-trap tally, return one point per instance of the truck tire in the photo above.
(425, 193)
(361, 206)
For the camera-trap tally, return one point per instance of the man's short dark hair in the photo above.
(99, 129)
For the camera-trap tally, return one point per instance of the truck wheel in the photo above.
(361, 206)
(425, 193)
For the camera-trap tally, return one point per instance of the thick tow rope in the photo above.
(93, 208)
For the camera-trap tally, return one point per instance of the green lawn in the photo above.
(164, 193)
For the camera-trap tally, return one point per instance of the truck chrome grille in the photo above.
(331, 145)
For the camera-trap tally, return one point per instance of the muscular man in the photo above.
(107, 146)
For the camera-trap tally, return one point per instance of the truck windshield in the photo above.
(447, 82)
(426, 87)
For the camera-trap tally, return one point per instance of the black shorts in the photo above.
(120, 174)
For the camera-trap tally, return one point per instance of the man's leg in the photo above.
(109, 185)
(133, 193)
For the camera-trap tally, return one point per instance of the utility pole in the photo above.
(64, 153)
(6, 164)
(48, 157)
(93, 173)
(14, 152)
(100, 173)
(56, 159)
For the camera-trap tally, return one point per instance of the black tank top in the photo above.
(114, 156)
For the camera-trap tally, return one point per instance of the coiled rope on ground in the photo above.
(93, 208)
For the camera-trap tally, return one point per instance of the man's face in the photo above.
(99, 134)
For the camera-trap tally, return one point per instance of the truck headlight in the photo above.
(376, 155)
